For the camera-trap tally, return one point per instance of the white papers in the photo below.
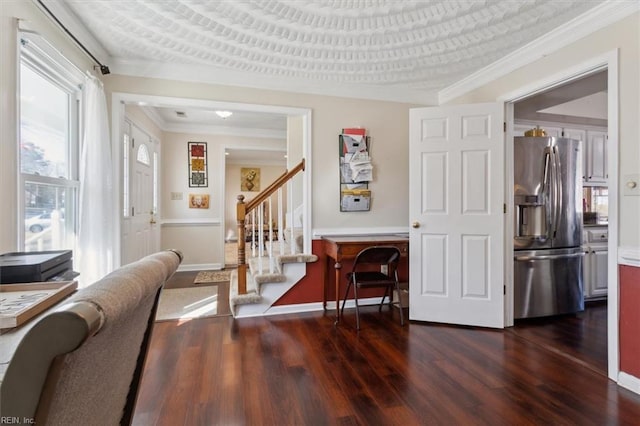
(357, 200)
(355, 163)
(353, 143)
(361, 168)
(356, 170)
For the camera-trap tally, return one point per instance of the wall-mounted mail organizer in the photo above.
(356, 170)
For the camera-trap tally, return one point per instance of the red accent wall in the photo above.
(309, 289)
(630, 320)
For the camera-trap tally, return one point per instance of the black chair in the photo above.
(362, 276)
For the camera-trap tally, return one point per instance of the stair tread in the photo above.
(255, 279)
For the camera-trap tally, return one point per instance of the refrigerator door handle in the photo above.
(524, 258)
(547, 189)
(557, 190)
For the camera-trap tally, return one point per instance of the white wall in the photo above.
(387, 123)
(136, 115)
(199, 233)
(295, 155)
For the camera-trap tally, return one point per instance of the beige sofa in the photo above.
(81, 364)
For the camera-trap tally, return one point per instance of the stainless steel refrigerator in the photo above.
(548, 227)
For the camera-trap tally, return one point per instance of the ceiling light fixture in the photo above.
(224, 114)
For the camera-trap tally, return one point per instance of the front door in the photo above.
(139, 229)
(456, 210)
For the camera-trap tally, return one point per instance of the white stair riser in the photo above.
(271, 292)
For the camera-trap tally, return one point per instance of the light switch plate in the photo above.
(176, 196)
(631, 184)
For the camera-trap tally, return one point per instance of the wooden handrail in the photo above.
(266, 193)
(243, 208)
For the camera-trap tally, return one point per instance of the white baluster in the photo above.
(292, 241)
(260, 234)
(253, 233)
(271, 263)
(280, 222)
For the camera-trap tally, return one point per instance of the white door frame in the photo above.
(609, 62)
(118, 101)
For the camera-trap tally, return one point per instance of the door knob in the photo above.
(416, 224)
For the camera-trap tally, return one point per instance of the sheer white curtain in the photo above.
(97, 192)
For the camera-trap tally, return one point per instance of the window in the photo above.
(125, 171)
(155, 182)
(143, 155)
(49, 132)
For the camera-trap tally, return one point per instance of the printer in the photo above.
(36, 266)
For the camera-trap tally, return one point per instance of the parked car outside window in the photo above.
(42, 221)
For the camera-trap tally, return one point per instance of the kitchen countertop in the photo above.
(593, 225)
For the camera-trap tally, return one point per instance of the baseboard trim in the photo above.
(629, 256)
(320, 232)
(317, 306)
(630, 382)
(191, 222)
(201, 267)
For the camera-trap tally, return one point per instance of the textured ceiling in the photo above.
(422, 46)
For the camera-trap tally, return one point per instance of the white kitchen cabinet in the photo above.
(596, 157)
(553, 131)
(599, 283)
(594, 265)
(519, 129)
(581, 135)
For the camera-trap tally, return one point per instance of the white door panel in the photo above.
(456, 206)
(138, 230)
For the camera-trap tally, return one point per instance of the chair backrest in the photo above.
(382, 255)
(82, 363)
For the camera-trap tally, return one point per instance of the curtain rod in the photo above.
(103, 68)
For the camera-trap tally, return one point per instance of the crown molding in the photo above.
(75, 26)
(220, 76)
(214, 75)
(154, 116)
(599, 17)
(595, 19)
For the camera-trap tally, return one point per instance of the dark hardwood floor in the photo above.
(299, 369)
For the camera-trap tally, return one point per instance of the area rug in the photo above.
(212, 276)
(187, 303)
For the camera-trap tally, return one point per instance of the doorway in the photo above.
(167, 219)
(268, 164)
(602, 69)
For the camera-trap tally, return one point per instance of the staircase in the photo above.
(265, 287)
(275, 265)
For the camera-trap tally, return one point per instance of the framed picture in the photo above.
(249, 179)
(198, 201)
(197, 154)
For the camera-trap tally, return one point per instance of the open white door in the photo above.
(456, 210)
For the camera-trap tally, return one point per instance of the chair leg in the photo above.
(355, 297)
(344, 301)
(386, 292)
(399, 302)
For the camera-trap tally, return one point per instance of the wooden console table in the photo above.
(338, 248)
